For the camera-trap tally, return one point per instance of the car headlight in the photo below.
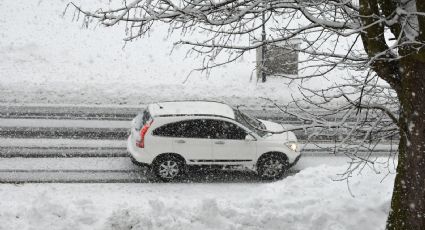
(292, 145)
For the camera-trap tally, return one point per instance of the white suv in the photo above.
(169, 136)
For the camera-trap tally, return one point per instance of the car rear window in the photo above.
(141, 119)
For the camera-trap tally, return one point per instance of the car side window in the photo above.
(196, 128)
(225, 130)
(168, 130)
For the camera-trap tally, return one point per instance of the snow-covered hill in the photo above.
(46, 57)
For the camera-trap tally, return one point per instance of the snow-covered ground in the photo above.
(311, 199)
(47, 58)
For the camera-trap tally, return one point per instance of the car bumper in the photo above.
(296, 160)
(141, 164)
(137, 155)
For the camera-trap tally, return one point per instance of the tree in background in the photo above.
(381, 41)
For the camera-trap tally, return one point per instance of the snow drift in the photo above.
(311, 199)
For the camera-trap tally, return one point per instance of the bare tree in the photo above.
(382, 38)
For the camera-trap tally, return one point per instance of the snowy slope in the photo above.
(47, 58)
(309, 200)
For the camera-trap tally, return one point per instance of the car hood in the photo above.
(275, 127)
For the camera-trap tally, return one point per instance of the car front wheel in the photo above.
(272, 167)
(168, 168)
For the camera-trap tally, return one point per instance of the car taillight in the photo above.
(143, 131)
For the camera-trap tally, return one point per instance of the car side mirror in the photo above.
(249, 137)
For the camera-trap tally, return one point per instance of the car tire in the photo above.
(168, 168)
(272, 167)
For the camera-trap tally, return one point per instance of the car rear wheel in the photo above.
(168, 168)
(272, 167)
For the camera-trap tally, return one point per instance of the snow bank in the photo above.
(311, 199)
(50, 59)
(46, 58)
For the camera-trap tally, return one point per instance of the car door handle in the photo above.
(219, 142)
(180, 141)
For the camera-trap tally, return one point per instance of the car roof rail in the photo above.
(195, 115)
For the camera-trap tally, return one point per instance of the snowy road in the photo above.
(79, 121)
(99, 112)
(91, 161)
(60, 111)
(120, 169)
(106, 161)
(98, 121)
(87, 144)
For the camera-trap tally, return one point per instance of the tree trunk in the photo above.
(408, 200)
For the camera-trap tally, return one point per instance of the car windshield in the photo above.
(251, 123)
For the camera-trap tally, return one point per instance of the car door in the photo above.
(229, 145)
(189, 138)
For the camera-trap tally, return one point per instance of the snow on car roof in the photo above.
(191, 107)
